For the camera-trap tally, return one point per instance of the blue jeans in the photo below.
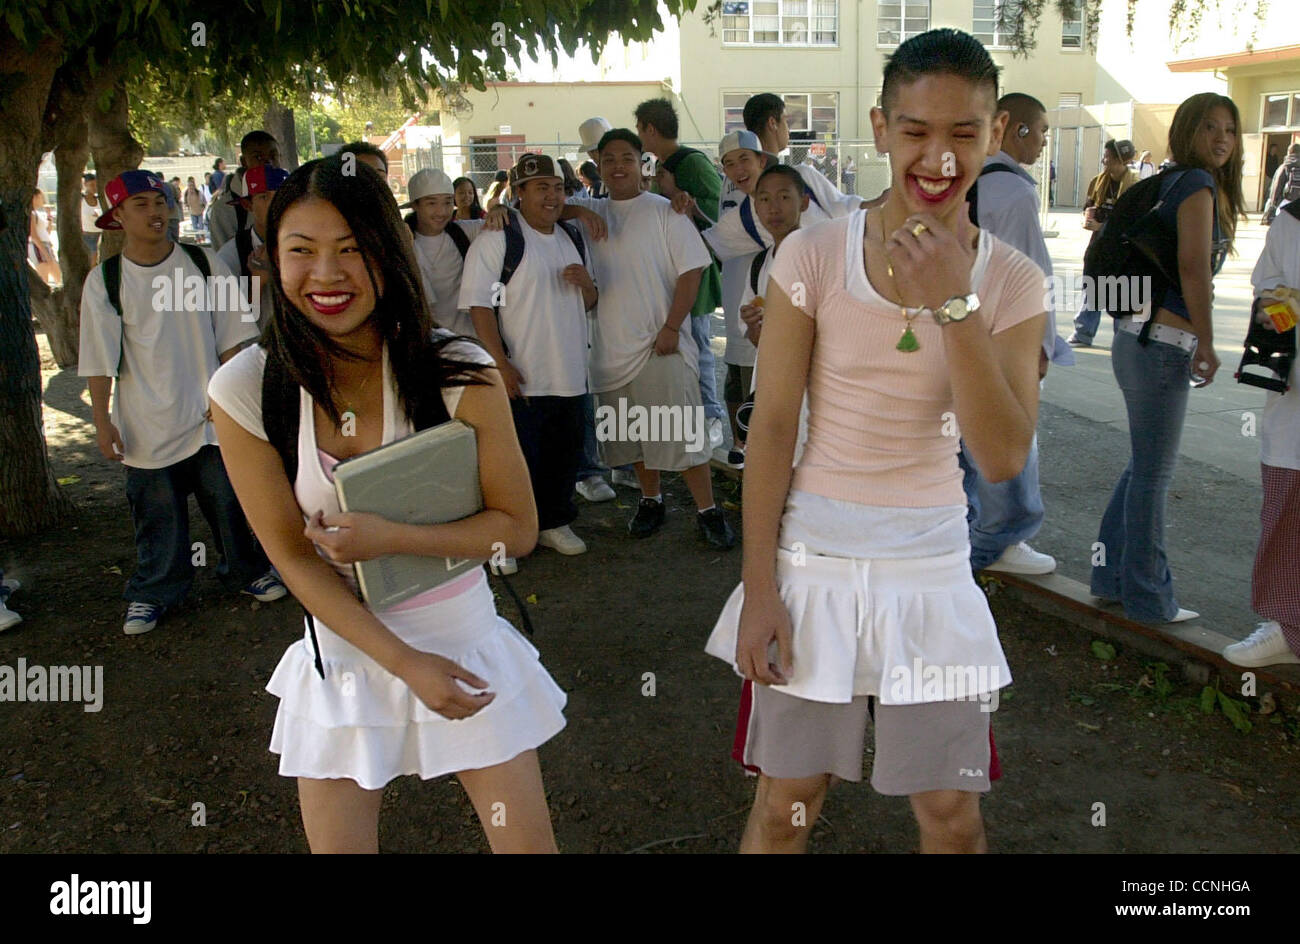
(702, 332)
(589, 457)
(1134, 569)
(1086, 324)
(1000, 514)
(159, 500)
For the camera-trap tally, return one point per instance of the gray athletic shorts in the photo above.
(665, 396)
(933, 746)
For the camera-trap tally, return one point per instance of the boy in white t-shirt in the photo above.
(90, 212)
(163, 355)
(644, 366)
(533, 321)
(441, 246)
(245, 255)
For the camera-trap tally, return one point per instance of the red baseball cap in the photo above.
(124, 186)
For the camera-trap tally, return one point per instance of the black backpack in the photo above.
(280, 419)
(1272, 350)
(514, 235)
(972, 195)
(1292, 189)
(454, 233)
(756, 266)
(1136, 248)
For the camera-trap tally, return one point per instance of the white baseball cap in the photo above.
(591, 131)
(429, 182)
(739, 139)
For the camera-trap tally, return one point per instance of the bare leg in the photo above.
(700, 481)
(339, 815)
(649, 479)
(778, 823)
(950, 821)
(511, 804)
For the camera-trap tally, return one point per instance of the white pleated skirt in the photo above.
(363, 723)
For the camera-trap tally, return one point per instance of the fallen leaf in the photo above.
(69, 480)
(1088, 727)
(531, 598)
(1103, 650)
(1267, 704)
(730, 506)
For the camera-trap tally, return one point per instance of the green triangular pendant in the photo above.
(907, 343)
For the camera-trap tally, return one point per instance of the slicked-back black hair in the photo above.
(938, 52)
(401, 313)
(659, 114)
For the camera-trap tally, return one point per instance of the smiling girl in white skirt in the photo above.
(439, 684)
(907, 327)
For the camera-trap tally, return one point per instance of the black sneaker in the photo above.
(649, 518)
(736, 459)
(715, 529)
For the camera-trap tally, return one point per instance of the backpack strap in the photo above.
(813, 197)
(198, 257)
(670, 164)
(457, 236)
(747, 220)
(571, 230)
(1293, 208)
(972, 195)
(514, 235)
(111, 270)
(243, 247)
(755, 267)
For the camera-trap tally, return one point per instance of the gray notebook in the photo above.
(428, 478)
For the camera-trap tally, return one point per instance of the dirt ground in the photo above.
(185, 719)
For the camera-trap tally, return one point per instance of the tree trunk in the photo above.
(111, 142)
(30, 499)
(278, 120)
(65, 133)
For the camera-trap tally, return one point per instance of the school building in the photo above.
(826, 59)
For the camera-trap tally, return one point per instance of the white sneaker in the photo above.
(562, 539)
(1023, 559)
(1265, 646)
(508, 566)
(715, 433)
(8, 618)
(625, 479)
(594, 488)
(1182, 616)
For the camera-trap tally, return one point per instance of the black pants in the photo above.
(159, 500)
(550, 435)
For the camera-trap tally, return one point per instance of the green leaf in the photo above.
(1103, 650)
(1209, 695)
(1233, 709)
(15, 21)
(69, 479)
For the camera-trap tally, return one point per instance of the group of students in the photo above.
(856, 331)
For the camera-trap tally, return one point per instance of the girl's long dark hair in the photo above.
(476, 212)
(363, 199)
(572, 184)
(1227, 179)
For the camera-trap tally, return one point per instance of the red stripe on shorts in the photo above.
(742, 726)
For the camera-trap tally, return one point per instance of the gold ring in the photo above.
(919, 228)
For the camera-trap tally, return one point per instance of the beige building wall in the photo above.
(852, 69)
(546, 112)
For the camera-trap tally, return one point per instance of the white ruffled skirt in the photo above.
(363, 723)
(908, 631)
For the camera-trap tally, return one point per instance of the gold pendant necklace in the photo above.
(907, 343)
(348, 408)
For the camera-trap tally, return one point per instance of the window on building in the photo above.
(781, 22)
(817, 112)
(1072, 29)
(993, 21)
(898, 20)
(1275, 110)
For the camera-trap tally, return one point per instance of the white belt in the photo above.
(1166, 334)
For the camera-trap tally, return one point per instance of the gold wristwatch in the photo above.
(956, 308)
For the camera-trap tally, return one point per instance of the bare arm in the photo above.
(1195, 233)
(485, 326)
(107, 436)
(688, 287)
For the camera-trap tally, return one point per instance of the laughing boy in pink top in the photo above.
(909, 328)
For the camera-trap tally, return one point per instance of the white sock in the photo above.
(703, 510)
(659, 498)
